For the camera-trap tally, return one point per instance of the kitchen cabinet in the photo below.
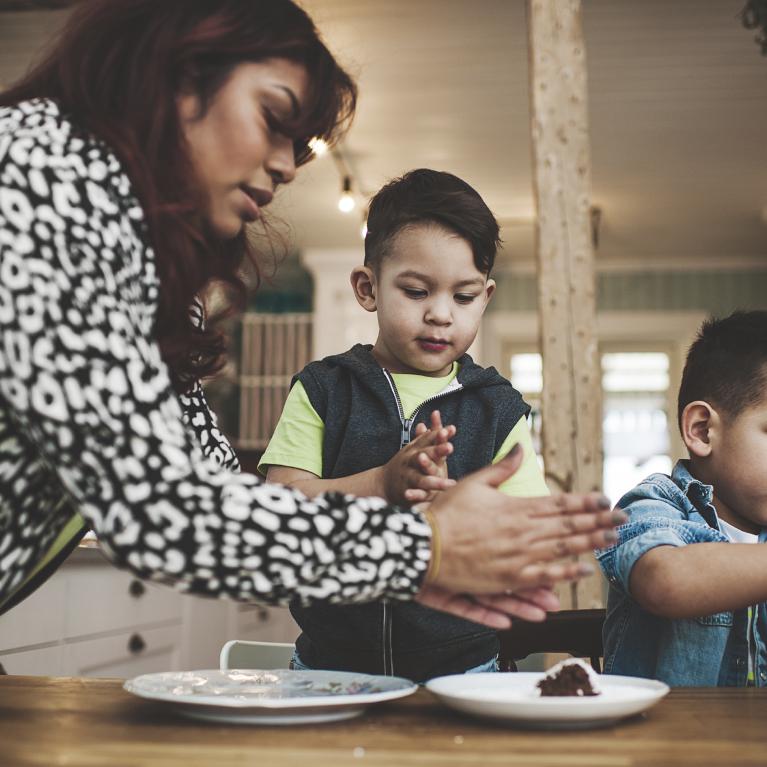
(124, 655)
(90, 619)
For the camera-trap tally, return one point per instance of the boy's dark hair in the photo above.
(431, 196)
(727, 364)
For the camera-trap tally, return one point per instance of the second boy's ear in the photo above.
(363, 281)
(698, 422)
(489, 290)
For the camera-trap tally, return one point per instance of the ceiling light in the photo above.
(318, 146)
(346, 201)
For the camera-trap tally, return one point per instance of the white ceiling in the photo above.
(678, 109)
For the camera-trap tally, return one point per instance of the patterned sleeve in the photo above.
(202, 421)
(87, 399)
(199, 417)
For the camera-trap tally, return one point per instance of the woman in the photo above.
(131, 161)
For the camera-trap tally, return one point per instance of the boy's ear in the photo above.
(699, 421)
(489, 290)
(363, 282)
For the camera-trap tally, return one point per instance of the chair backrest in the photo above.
(238, 653)
(577, 632)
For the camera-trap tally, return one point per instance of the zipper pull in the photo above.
(405, 436)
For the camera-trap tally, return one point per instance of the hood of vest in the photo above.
(360, 362)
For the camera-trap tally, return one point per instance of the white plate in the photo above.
(269, 697)
(514, 698)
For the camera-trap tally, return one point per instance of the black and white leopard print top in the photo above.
(89, 422)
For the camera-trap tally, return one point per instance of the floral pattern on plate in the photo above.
(260, 684)
(245, 696)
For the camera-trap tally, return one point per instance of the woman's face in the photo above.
(240, 148)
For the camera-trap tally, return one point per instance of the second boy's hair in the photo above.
(727, 364)
(429, 196)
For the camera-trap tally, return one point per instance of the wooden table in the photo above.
(47, 721)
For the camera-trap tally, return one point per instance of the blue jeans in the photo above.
(490, 665)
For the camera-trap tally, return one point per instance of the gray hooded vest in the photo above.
(364, 427)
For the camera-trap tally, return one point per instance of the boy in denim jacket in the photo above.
(694, 615)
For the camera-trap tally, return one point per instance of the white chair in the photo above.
(238, 653)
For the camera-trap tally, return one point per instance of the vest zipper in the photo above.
(406, 424)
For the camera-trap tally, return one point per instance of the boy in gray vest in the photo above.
(370, 421)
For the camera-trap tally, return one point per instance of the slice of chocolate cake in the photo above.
(571, 677)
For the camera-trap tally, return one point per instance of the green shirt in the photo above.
(297, 439)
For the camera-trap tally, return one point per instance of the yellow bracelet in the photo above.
(436, 547)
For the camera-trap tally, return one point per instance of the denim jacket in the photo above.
(711, 650)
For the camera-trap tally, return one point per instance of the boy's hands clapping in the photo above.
(433, 463)
(419, 470)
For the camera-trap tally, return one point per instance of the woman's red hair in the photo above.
(116, 70)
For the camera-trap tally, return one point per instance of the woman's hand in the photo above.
(492, 544)
(409, 469)
(493, 610)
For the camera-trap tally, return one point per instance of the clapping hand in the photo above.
(432, 463)
(418, 471)
(501, 556)
(493, 610)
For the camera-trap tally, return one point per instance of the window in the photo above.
(527, 377)
(635, 425)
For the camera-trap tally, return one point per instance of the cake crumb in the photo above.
(358, 752)
(458, 739)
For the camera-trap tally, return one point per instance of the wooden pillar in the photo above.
(571, 403)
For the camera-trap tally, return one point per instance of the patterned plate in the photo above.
(250, 696)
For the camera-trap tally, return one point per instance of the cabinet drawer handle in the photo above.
(136, 644)
(136, 589)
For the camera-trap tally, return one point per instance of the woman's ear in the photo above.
(188, 106)
(363, 281)
(699, 420)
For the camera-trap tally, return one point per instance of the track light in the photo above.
(318, 146)
(346, 202)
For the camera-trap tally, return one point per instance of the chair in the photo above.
(238, 653)
(577, 632)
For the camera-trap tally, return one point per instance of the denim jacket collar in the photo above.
(700, 495)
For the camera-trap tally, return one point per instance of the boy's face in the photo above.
(430, 298)
(738, 464)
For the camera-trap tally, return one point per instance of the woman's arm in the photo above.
(700, 578)
(94, 399)
(84, 387)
